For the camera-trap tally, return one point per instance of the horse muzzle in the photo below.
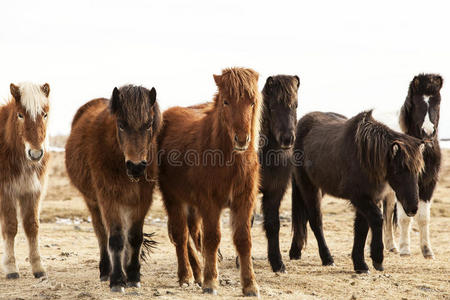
(35, 155)
(135, 170)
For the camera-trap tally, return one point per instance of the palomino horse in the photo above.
(23, 165)
(419, 117)
(111, 159)
(209, 161)
(279, 117)
(355, 159)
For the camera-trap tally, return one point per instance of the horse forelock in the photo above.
(282, 88)
(425, 84)
(32, 98)
(135, 105)
(238, 83)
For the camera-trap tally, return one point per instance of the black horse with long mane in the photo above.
(355, 159)
(419, 117)
(279, 118)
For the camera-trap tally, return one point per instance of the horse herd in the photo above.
(218, 155)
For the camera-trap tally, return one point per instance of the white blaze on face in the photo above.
(427, 125)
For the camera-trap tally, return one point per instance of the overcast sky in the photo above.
(350, 55)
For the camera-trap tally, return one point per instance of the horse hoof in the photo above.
(280, 269)
(378, 266)
(14, 275)
(117, 289)
(210, 291)
(39, 274)
(134, 284)
(104, 278)
(405, 254)
(429, 256)
(184, 285)
(294, 255)
(393, 250)
(328, 263)
(362, 271)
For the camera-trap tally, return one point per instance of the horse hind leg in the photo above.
(29, 207)
(102, 238)
(388, 224)
(8, 221)
(195, 232)
(423, 220)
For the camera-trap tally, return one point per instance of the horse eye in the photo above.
(253, 104)
(20, 116)
(149, 126)
(45, 116)
(121, 127)
(226, 102)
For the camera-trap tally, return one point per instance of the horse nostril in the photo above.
(236, 139)
(247, 139)
(143, 163)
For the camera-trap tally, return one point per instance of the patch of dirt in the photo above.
(70, 253)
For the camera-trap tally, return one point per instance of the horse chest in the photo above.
(26, 183)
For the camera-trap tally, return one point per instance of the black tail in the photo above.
(395, 218)
(299, 220)
(147, 246)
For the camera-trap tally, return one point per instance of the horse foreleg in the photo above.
(271, 209)
(8, 221)
(361, 228)
(423, 220)
(388, 207)
(133, 267)
(211, 240)
(404, 224)
(29, 207)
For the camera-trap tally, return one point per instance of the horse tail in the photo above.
(299, 220)
(395, 217)
(148, 244)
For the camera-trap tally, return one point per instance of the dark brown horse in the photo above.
(419, 117)
(209, 162)
(23, 169)
(111, 159)
(279, 117)
(355, 159)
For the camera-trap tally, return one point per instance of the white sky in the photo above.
(350, 55)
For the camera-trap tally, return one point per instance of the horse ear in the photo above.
(298, 81)
(45, 88)
(269, 81)
(217, 79)
(152, 96)
(439, 81)
(15, 92)
(416, 83)
(115, 100)
(395, 148)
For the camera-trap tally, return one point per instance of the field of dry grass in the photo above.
(70, 254)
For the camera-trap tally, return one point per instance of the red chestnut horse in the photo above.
(23, 165)
(111, 159)
(209, 162)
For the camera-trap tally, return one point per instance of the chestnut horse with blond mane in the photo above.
(209, 162)
(23, 165)
(111, 160)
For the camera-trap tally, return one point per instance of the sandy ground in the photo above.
(70, 254)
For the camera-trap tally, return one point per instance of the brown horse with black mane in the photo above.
(356, 159)
(23, 165)
(209, 162)
(111, 159)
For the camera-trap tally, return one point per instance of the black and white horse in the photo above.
(418, 117)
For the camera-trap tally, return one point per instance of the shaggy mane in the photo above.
(374, 141)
